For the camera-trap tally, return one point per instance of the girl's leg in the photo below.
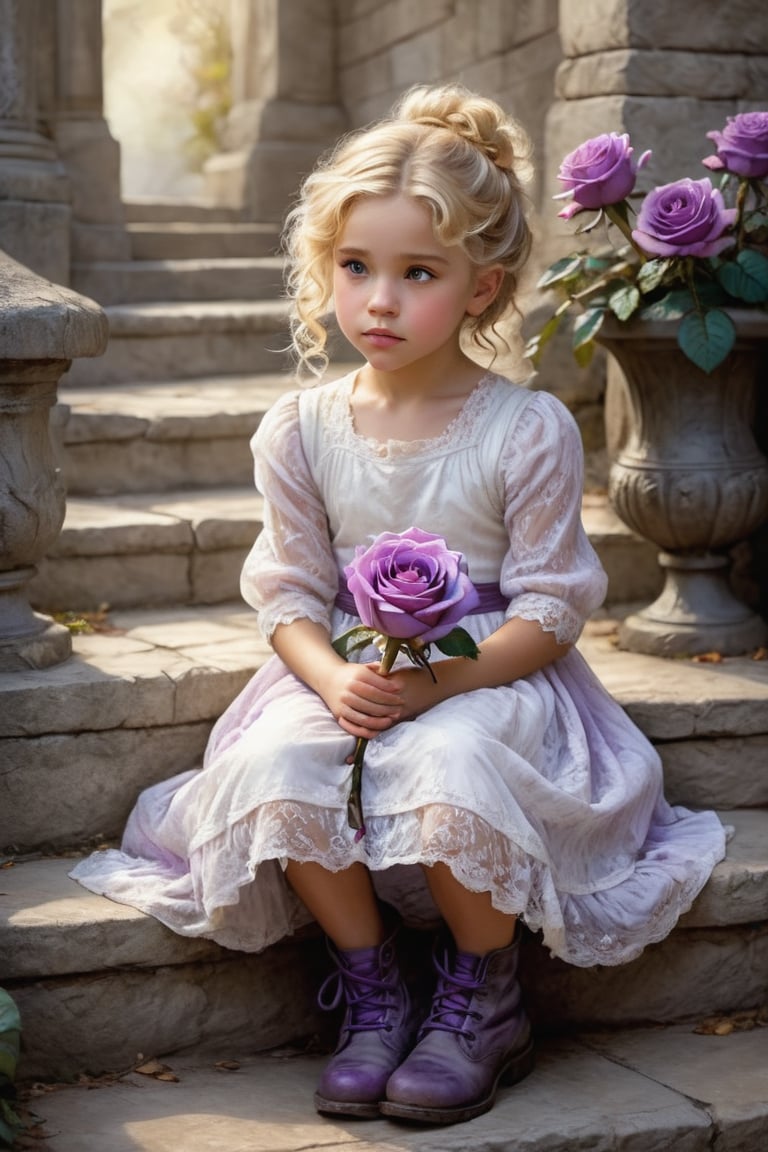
(380, 1021)
(477, 1033)
(343, 903)
(476, 926)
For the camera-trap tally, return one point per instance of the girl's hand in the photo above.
(362, 701)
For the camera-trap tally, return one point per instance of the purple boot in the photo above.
(378, 1030)
(476, 1036)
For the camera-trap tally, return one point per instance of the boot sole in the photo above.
(363, 1110)
(516, 1069)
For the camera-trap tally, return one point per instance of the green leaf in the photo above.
(706, 338)
(458, 642)
(598, 263)
(564, 269)
(673, 306)
(624, 301)
(354, 640)
(587, 326)
(536, 344)
(746, 277)
(756, 220)
(584, 354)
(651, 274)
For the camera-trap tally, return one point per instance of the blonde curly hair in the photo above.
(457, 152)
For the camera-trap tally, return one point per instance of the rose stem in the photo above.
(355, 804)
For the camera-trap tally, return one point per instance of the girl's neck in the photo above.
(404, 406)
(422, 382)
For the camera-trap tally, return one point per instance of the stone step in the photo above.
(222, 278)
(187, 546)
(155, 341)
(181, 240)
(143, 437)
(171, 547)
(171, 209)
(642, 1090)
(137, 700)
(74, 961)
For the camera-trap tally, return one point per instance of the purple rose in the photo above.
(742, 146)
(598, 173)
(685, 218)
(410, 585)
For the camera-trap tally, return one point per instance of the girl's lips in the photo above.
(381, 338)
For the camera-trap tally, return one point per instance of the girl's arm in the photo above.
(517, 649)
(363, 702)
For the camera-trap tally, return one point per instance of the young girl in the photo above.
(509, 787)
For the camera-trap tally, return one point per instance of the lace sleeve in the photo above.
(290, 573)
(551, 573)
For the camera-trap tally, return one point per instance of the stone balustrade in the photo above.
(42, 328)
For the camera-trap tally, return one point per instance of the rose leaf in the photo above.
(746, 277)
(706, 338)
(651, 274)
(353, 641)
(565, 269)
(458, 642)
(624, 301)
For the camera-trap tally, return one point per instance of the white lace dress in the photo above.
(542, 791)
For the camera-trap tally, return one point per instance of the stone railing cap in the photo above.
(40, 320)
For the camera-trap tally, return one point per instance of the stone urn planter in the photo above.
(690, 478)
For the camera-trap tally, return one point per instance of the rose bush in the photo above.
(410, 591)
(693, 250)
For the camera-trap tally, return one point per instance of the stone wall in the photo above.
(507, 50)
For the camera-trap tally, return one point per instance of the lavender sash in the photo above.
(491, 599)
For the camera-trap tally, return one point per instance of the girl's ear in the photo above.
(487, 284)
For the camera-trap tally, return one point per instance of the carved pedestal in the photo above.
(691, 479)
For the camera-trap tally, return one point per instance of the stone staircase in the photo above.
(161, 512)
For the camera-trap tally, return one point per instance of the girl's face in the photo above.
(399, 294)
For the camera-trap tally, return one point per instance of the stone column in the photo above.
(285, 110)
(85, 146)
(42, 327)
(34, 191)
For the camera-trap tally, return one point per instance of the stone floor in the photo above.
(667, 1089)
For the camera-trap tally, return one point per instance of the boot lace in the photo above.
(451, 1003)
(368, 996)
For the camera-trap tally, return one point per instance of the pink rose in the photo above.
(685, 218)
(598, 173)
(410, 585)
(742, 146)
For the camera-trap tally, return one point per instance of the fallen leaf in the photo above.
(151, 1068)
(708, 658)
(228, 1065)
(760, 654)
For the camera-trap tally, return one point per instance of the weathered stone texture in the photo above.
(65, 790)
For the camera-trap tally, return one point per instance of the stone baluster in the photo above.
(285, 104)
(42, 328)
(34, 190)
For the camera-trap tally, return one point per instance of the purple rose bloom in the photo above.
(685, 218)
(599, 172)
(410, 586)
(742, 146)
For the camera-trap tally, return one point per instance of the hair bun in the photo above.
(473, 118)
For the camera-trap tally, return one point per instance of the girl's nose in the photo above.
(383, 298)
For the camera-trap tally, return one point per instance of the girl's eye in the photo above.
(356, 267)
(420, 275)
